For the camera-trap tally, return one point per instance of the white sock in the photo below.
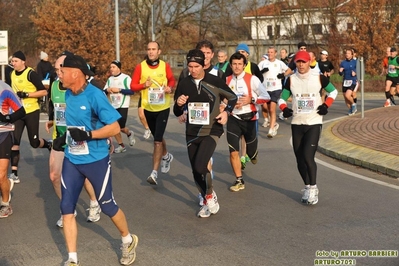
(127, 239)
(5, 203)
(166, 156)
(73, 256)
(314, 186)
(93, 203)
(307, 186)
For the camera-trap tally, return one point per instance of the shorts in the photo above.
(274, 95)
(157, 122)
(395, 80)
(352, 87)
(5, 146)
(123, 119)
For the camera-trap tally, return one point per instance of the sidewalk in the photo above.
(371, 142)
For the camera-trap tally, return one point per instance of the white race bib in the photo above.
(391, 69)
(76, 147)
(59, 114)
(305, 103)
(198, 113)
(156, 95)
(116, 99)
(348, 82)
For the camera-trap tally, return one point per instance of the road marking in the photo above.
(382, 183)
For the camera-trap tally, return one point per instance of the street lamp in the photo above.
(117, 30)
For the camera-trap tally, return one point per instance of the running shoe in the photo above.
(129, 251)
(14, 178)
(5, 211)
(11, 187)
(243, 163)
(273, 131)
(247, 159)
(204, 212)
(238, 185)
(212, 203)
(147, 133)
(70, 262)
(354, 109)
(165, 163)
(94, 213)
(266, 123)
(313, 196)
(120, 149)
(387, 103)
(305, 195)
(132, 140)
(254, 160)
(152, 179)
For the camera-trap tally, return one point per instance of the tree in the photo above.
(15, 19)
(86, 28)
(375, 24)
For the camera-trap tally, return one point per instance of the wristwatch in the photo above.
(253, 100)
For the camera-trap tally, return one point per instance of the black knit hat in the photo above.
(117, 63)
(197, 56)
(19, 55)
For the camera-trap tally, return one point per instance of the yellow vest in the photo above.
(247, 68)
(21, 83)
(159, 76)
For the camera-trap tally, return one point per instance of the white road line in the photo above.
(382, 183)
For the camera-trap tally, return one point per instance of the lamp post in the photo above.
(117, 30)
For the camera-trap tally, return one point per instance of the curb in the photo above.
(339, 149)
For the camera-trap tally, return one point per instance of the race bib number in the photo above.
(198, 113)
(392, 69)
(156, 96)
(76, 147)
(305, 103)
(116, 99)
(348, 82)
(270, 82)
(59, 114)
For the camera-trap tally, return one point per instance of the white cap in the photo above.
(43, 55)
(324, 52)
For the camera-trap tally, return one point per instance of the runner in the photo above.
(200, 93)
(154, 79)
(118, 88)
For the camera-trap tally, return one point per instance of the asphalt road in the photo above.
(265, 224)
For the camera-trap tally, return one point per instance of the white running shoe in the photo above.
(70, 262)
(204, 212)
(266, 123)
(281, 116)
(147, 134)
(94, 213)
(152, 178)
(15, 178)
(305, 195)
(120, 149)
(212, 203)
(165, 163)
(132, 140)
(129, 251)
(313, 196)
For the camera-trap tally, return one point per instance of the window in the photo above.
(317, 29)
(269, 30)
(277, 31)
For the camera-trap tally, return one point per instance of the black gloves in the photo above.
(22, 94)
(79, 135)
(264, 70)
(322, 109)
(287, 112)
(5, 118)
(59, 142)
(280, 76)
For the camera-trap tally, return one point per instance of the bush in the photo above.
(371, 83)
